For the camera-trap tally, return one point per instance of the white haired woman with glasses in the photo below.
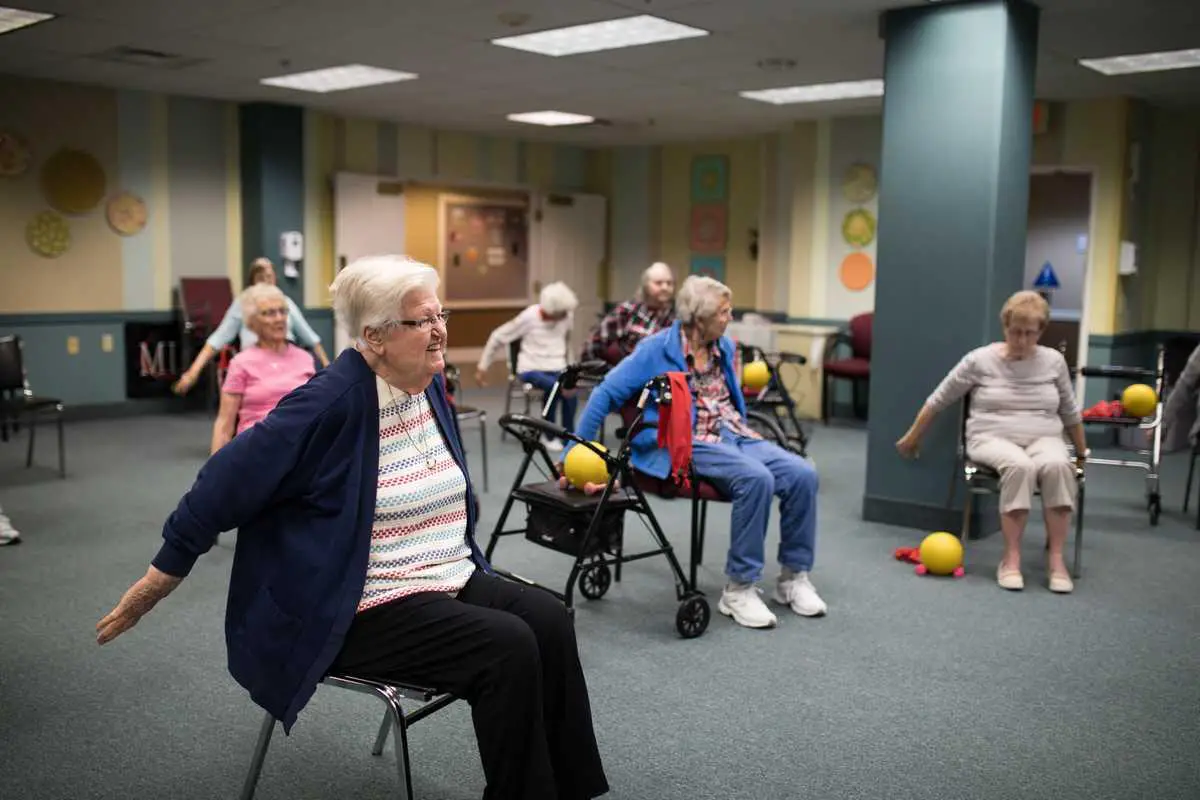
(262, 374)
(356, 551)
(543, 329)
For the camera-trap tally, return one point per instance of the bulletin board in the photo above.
(484, 249)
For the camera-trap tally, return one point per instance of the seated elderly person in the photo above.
(651, 310)
(1021, 402)
(1181, 412)
(543, 329)
(725, 452)
(261, 375)
(356, 551)
(232, 326)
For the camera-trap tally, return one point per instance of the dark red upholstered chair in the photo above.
(854, 367)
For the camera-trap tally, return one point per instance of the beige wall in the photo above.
(89, 275)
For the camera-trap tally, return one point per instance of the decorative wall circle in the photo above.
(48, 235)
(858, 228)
(126, 213)
(73, 181)
(860, 183)
(857, 271)
(15, 154)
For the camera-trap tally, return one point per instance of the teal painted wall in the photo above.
(272, 172)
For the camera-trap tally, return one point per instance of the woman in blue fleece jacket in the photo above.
(356, 551)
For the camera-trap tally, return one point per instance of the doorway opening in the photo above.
(1058, 251)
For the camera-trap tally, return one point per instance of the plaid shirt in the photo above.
(625, 326)
(713, 401)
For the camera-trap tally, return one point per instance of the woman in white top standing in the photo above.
(1021, 402)
(543, 330)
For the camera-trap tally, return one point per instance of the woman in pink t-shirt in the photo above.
(260, 376)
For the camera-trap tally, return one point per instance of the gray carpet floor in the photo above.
(912, 688)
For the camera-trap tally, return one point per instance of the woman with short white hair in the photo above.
(543, 330)
(725, 452)
(264, 373)
(233, 326)
(356, 551)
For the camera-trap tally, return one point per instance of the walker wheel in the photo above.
(691, 620)
(594, 581)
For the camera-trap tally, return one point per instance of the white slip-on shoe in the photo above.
(741, 601)
(1061, 583)
(798, 592)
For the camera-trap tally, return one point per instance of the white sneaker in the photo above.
(745, 606)
(553, 445)
(797, 591)
(8, 534)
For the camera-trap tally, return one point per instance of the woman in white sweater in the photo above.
(1021, 403)
(543, 330)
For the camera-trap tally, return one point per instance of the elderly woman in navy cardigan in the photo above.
(356, 551)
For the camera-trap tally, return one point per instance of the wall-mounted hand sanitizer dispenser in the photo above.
(291, 246)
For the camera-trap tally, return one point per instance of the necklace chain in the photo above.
(426, 454)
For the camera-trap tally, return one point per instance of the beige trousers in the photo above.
(1044, 464)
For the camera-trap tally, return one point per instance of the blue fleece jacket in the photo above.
(653, 356)
(300, 488)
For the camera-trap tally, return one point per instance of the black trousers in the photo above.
(509, 650)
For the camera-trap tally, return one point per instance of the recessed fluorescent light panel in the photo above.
(1145, 62)
(551, 118)
(596, 36)
(817, 93)
(338, 79)
(12, 19)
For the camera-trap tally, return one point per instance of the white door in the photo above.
(368, 220)
(568, 245)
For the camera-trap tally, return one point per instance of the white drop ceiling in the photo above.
(681, 90)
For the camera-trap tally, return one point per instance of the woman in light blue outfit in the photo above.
(299, 331)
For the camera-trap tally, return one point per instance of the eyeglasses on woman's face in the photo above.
(440, 319)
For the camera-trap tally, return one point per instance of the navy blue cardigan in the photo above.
(300, 488)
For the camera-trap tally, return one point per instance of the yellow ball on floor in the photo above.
(582, 466)
(755, 375)
(1139, 400)
(941, 553)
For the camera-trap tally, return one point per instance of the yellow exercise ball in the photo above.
(582, 466)
(941, 553)
(755, 375)
(1139, 400)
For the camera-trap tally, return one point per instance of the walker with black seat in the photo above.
(1151, 426)
(775, 396)
(590, 528)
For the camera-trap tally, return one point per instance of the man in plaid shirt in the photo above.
(649, 312)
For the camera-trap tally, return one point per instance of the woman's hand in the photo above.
(908, 445)
(588, 488)
(135, 603)
(185, 383)
(480, 377)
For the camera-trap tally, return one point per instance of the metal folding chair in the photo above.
(394, 720)
(983, 480)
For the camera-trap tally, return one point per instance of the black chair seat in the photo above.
(22, 404)
(468, 412)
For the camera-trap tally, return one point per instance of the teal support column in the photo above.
(272, 177)
(954, 192)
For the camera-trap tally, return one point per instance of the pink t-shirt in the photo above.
(262, 377)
